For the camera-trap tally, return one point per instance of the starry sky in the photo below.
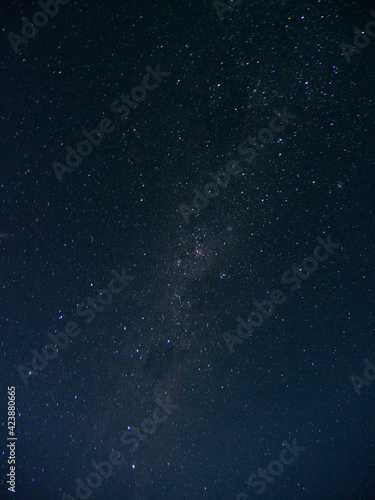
(193, 292)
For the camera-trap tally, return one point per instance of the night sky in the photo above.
(186, 243)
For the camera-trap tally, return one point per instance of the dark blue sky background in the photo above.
(161, 338)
